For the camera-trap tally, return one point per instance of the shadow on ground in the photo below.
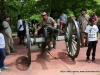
(65, 58)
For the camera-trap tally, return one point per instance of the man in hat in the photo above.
(47, 21)
(83, 20)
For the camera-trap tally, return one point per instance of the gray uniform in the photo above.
(83, 20)
(8, 37)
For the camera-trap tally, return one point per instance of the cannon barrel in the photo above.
(42, 39)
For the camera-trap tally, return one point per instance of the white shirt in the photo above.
(2, 41)
(92, 32)
(18, 25)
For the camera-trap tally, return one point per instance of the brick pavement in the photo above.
(50, 66)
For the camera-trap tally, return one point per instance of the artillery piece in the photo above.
(71, 37)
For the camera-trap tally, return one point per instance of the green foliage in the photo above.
(30, 9)
(99, 24)
(36, 16)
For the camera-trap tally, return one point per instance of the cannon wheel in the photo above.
(28, 43)
(72, 38)
(23, 63)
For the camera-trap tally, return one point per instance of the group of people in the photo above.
(21, 28)
(6, 40)
(88, 27)
(88, 31)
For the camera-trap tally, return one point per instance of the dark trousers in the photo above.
(21, 35)
(84, 38)
(51, 30)
(91, 45)
(32, 31)
(2, 57)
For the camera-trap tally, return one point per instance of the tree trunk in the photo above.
(2, 5)
(52, 13)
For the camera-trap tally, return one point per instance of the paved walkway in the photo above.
(50, 66)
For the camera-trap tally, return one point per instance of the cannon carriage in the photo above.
(71, 38)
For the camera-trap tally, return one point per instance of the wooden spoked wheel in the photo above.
(28, 42)
(72, 38)
(22, 63)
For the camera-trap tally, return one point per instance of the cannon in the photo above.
(71, 38)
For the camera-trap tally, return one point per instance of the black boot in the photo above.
(93, 59)
(86, 45)
(88, 59)
(49, 47)
(54, 46)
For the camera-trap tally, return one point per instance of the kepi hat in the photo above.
(83, 9)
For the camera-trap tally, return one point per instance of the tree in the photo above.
(31, 8)
(74, 6)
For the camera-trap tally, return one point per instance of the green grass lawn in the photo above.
(14, 34)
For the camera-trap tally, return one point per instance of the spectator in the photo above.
(92, 33)
(34, 25)
(83, 19)
(63, 21)
(20, 29)
(8, 36)
(95, 18)
(2, 51)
